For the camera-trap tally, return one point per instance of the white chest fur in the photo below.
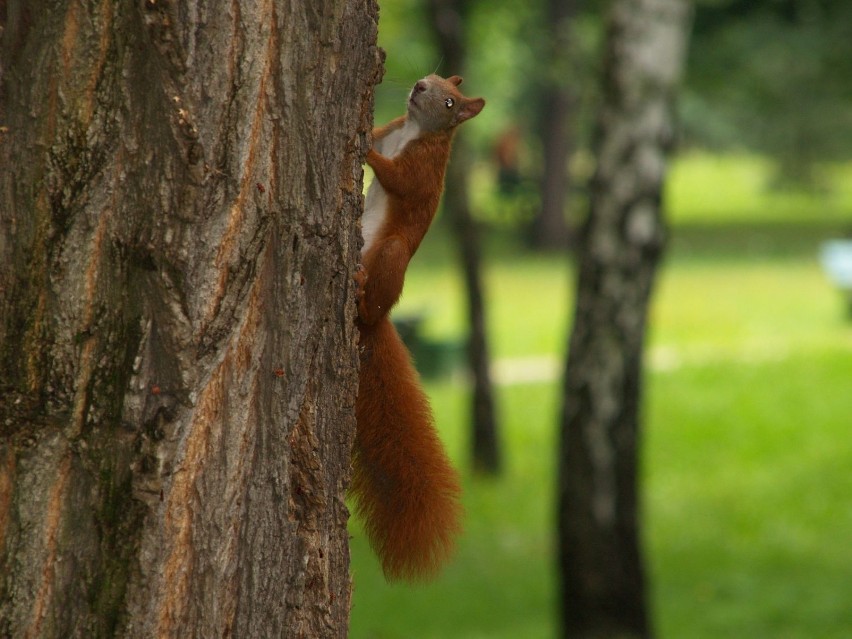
(375, 206)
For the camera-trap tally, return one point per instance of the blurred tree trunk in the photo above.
(449, 18)
(485, 443)
(555, 130)
(178, 365)
(602, 576)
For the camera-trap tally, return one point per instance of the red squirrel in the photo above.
(406, 491)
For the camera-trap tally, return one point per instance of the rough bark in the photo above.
(448, 18)
(602, 577)
(179, 198)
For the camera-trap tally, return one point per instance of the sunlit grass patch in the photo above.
(734, 189)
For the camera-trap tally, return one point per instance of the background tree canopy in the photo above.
(772, 77)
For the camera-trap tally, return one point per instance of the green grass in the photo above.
(737, 189)
(746, 457)
(521, 323)
(748, 498)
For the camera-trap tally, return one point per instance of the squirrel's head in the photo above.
(436, 104)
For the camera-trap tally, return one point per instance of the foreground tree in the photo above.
(178, 233)
(602, 578)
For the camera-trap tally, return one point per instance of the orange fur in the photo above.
(405, 489)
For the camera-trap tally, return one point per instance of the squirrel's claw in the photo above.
(360, 278)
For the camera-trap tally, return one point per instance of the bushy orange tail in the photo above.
(406, 491)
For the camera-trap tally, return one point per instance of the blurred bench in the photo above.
(432, 358)
(836, 259)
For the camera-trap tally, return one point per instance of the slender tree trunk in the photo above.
(558, 101)
(602, 576)
(485, 440)
(179, 196)
(449, 18)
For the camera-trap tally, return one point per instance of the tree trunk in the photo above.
(558, 100)
(602, 577)
(485, 440)
(449, 18)
(179, 199)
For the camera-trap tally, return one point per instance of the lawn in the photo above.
(746, 455)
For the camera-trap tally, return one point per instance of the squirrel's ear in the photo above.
(470, 109)
(455, 79)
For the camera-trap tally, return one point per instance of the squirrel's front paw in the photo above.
(360, 278)
(371, 155)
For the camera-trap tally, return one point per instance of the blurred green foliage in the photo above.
(772, 77)
(746, 451)
(775, 77)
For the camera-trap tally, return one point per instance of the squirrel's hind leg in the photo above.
(383, 277)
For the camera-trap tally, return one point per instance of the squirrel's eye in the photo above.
(449, 102)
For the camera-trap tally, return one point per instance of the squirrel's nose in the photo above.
(419, 87)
